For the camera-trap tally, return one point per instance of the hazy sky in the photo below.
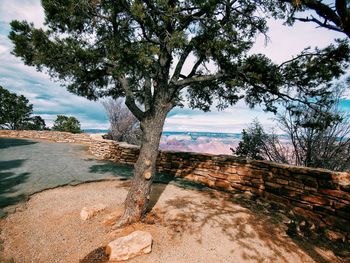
(50, 99)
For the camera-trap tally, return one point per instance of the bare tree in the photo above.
(124, 125)
(317, 142)
(315, 137)
(275, 150)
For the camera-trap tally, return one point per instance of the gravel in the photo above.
(187, 225)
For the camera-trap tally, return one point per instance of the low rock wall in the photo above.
(56, 136)
(320, 195)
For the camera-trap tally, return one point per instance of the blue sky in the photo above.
(50, 99)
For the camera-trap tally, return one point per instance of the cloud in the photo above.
(287, 41)
(231, 120)
(30, 10)
(49, 98)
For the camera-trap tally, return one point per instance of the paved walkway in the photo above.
(28, 166)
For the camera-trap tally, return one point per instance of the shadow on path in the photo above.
(7, 143)
(161, 180)
(8, 181)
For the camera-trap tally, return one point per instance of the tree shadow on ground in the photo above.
(125, 172)
(98, 255)
(246, 221)
(121, 172)
(8, 182)
(8, 143)
(241, 217)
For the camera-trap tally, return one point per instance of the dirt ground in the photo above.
(187, 225)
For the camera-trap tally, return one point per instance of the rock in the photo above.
(334, 236)
(89, 212)
(135, 244)
(285, 219)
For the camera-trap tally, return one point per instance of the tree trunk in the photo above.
(144, 169)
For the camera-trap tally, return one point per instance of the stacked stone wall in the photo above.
(317, 194)
(56, 136)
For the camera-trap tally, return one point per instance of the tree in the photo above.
(35, 123)
(257, 144)
(66, 124)
(124, 125)
(333, 15)
(318, 140)
(15, 110)
(252, 143)
(140, 50)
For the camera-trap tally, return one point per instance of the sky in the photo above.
(49, 98)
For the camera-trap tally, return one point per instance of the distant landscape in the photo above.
(201, 142)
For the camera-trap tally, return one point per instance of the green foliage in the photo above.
(252, 145)
(100, 48)
(35, 123)
(15, 110)
(66, 124)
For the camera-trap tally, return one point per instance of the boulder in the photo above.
(132, 245)
(89, 212)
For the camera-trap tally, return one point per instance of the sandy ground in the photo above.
(187, 225)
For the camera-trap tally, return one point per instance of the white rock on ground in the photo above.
(132, 245)
(89, 212)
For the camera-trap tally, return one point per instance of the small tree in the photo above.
(253, 141)
(66, 124)
(256, 144)
(15, 110)
(124, 125)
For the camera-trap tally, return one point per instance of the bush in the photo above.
(252, 144)
(66, 124)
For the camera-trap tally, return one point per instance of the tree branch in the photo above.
(339, 15)
(130, 100)
(278, 94)
(297, 57)
(195, 67)
(321, 24)
(181, 62)
(189, 81)
(148, 93)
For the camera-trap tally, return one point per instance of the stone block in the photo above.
(335, 193)
(334, 235)
(218, 175)
(89, 212)
(281, 181)
(315, 199)
(223, 184)
(130, 246)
